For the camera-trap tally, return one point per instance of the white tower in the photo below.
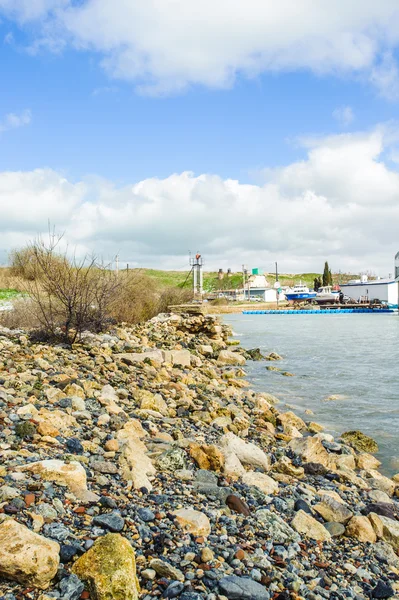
(196, 263)
(397, 265)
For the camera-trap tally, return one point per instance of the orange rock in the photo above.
(47, 429)
(112, 445)
(29, 499)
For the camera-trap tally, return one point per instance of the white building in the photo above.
(367, 290)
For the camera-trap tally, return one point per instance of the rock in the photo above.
(311, 450)
(273, 356)
(226, 357)
(246, 452)
(379, 482)
(133, 358)
(173, 590)
(237, 505)
(277, 529)
(71, 588)
(315, 427)
(360, 528)
(135, 465)
(308, 526)
(385, 553)
(164, 569)
(360, 441)
(254, 354)
(263, 482)
(331, 510)
(390, 531)
(109, 569)
(193, 521)
(26, 557)
(378, 496)
(172, 460)
(289, 418)
(382, 590)
(149, 401)
(109, 399)
(112, 521)
(207, 555)
(207, 457)
(146, 515)
(72, 475)
(382, 508)
(242, 588)
(180, 358)
(367, 461)
(285, 466)
(74, 446)
(335, 529)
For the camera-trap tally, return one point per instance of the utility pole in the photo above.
(277, 285)
(198, 276)
(244, 279)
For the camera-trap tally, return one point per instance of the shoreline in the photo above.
(206, 487)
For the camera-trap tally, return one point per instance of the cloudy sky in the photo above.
(252, 131)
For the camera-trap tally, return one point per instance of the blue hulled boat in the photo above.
(300, 292)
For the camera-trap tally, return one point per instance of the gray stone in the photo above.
(111, 521)
(277, 529)
(56, 531)
(335, 529)
(243, 588)
(71, 588)
(146, 514)
(172, 459)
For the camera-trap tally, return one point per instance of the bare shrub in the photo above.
(68, 296)
(172, 296)
(136, 300)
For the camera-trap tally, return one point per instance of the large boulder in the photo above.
(109, 569)
(226, 357)
(290, 419)
(311, 450)
(263, 482)
(306, 525)
(360, 441)
(26, 557)
(360, 528)
(136, 467)
(247, 453)
(71, 475)
(333, 511)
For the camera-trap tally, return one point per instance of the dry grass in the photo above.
(8, 281)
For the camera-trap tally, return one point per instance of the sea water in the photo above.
(345, 367)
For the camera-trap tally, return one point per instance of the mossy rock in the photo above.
(254, 354)
(359, 441)
(109, 569)
(25, 430)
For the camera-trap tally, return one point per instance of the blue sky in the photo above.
(125, 129)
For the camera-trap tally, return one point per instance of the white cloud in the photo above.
(165, 46)
(340, 204)
(14, 121)
(343, 115)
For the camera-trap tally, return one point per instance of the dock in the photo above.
(322, 311)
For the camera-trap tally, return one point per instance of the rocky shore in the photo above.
(139, 464)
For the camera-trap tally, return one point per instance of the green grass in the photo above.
(9, 294)
(212, 283)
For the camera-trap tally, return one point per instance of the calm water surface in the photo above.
(352, 358)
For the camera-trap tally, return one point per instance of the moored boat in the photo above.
(327, 294)
(299, 293)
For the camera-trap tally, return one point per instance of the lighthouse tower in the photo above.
(397, 265)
